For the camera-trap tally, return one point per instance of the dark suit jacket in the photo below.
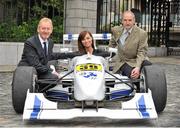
(134, 51)
(33, 55)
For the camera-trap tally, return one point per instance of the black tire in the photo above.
(23, 79)
(155, 80)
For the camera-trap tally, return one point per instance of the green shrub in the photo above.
(5, 31)
(12, 32)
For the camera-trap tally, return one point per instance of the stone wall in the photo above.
(80, 15)
(10, 54)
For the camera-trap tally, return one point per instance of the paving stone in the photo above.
(170, 117)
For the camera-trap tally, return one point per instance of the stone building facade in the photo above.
(80, 15)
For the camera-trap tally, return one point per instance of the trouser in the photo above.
(49, 75)
(126, 69)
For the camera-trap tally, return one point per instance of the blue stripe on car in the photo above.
(142, 107)
(36, 108)
(105, 36)
(70, 36)
(120, 93)
(61, 95)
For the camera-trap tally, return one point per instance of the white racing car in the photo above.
(88, 89)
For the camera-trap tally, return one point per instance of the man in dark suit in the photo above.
(38, 51)
(131, 42)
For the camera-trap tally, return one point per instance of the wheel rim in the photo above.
(143, 86)
(34, 82)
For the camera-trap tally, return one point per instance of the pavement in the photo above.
(166, 60)
(170, 117)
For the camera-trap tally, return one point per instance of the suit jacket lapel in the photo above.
(131, 37)
(50, 47)
(119, 33)
(41, 50)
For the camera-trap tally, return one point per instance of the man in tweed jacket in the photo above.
(131, 42)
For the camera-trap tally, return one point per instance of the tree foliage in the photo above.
(23, 20)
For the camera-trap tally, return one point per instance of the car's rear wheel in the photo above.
(154, 78)
(24, 78)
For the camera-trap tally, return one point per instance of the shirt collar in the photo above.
(125, 30)
(41, 40)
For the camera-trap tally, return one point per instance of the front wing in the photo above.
(37, 107)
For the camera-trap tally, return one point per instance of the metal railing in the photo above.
(154, 16)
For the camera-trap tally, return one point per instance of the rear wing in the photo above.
(69, 38)
(73, 37)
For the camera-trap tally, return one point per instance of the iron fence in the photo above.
(19, 18)
(154, 16)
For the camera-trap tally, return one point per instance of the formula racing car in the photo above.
(89, 89)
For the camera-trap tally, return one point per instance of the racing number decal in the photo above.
(90, 75)
(88, 67)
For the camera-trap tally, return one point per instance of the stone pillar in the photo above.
(80, 15)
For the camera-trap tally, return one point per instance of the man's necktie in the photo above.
(45, 48)
(124, 37)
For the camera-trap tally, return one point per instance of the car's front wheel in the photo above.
(24, 78)
(154, 78)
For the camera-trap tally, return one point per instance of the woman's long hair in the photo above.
(82, 35)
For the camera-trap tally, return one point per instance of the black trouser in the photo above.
(49, 75)
(126, 69)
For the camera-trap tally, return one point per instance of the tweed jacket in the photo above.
(134, 50)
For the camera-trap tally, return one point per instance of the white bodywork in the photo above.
(38, 107)
(89, 85)
(85, 79)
